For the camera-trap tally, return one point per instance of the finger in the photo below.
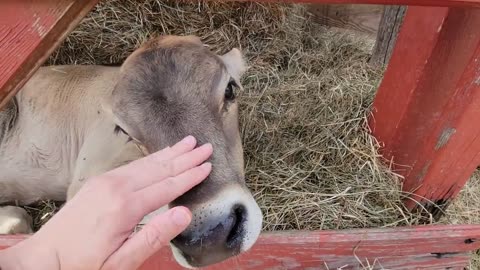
(153, 197)
(150, 239)
(186, 144)
(154, 168)
(183, 146)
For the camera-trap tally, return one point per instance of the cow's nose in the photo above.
(213, 239)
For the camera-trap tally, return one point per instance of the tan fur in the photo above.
(63, 133)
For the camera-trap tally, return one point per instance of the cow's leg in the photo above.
(15, 220)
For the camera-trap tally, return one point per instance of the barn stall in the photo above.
(312, 161)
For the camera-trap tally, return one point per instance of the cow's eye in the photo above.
(230, 91)
(118, 129)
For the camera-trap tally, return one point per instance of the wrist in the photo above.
(28, 255)
(9, 260)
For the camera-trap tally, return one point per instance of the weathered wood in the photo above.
(433, 247)
(29, 32)
(389, 27)
(428, 104)
(360, 18)
(434, 3)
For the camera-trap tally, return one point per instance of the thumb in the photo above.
(150, 239)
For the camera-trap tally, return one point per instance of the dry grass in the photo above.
(310, 159)
(466, 210)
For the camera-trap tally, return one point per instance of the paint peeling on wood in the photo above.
(444, 137)
(38, 27)
(424, 171)
(29, 32)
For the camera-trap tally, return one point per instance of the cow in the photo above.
(71, 122)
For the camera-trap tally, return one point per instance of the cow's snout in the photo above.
(235, 224)
(211, 241)
(219, 230)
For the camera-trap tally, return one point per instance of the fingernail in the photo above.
(188, 140)
(206, 166)
(181, 217)
(208, 145)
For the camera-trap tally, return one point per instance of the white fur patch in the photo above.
(14, 220)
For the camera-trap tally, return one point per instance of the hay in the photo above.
(465, 209)
(310, 160)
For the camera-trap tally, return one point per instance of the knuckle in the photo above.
(172, 184)
(159, 156)
(168, 168)
(154, 237)
(115, 195)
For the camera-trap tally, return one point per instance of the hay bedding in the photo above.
(310, 160)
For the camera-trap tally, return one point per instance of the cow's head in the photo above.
(172, 87)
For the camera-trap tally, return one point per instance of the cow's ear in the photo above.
(235, 63)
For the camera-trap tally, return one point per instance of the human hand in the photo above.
(94, 229)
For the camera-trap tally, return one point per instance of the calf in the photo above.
(72, 122)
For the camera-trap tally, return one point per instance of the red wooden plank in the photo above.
(299, 259)
(435, 3)
(400, 248)
(29, 32)
(428, 104)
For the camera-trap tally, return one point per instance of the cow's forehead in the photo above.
(164, 42)
(187, 51)
(170, 41)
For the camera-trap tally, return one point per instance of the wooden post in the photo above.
(360, 18)
(392, 19)
(29, 32)
(427, 108)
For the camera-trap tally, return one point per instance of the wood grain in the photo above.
(427, 106)
(360, 18)
(433, 247)
(29, 32)
(391, 21)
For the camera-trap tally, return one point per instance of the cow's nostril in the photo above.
(238, 216)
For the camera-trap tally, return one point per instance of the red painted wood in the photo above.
(29, 31)
(296, 258)
(398, 248)
(435, 3)
(429, 101)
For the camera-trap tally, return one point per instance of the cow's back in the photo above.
(56, 110)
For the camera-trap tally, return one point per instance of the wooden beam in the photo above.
(428, 104)
(434, 247)
(360, 18)
(29, 32)
(392, 19)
